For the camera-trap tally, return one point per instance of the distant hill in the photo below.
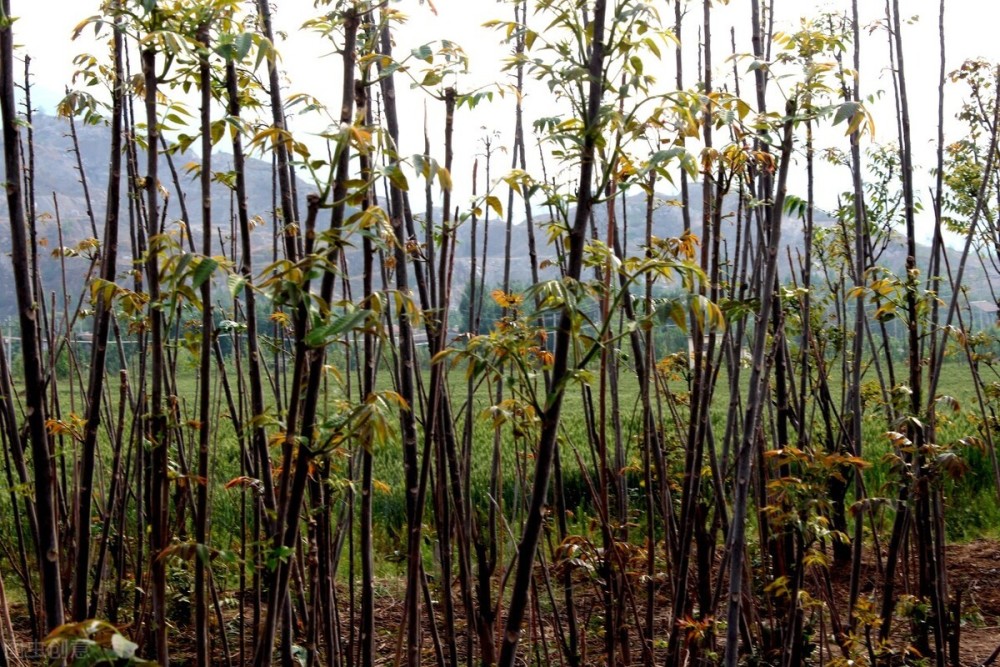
(668, 222)
(56, 172)
(58, 179)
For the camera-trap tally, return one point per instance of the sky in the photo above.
(44, 28)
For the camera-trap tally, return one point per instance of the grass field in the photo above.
(972, 510)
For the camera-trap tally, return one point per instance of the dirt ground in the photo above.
(974, 570)
(974, 573)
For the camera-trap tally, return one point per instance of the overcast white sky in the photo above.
(44, 28)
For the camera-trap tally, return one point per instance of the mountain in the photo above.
(58, 181)
(61, 201)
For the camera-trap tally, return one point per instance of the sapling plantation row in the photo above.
(620, 392)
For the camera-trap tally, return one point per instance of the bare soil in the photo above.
(973, 570)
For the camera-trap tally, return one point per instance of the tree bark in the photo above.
(553, 407)
(47, 544)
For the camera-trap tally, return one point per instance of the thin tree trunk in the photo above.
(405, 379)
(158, 483)
(95, 387)
(205, 367)
(553, 405)
(736, 544)
(47, 544)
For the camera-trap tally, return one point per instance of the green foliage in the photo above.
(676, 291)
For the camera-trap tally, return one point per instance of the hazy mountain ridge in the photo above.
(58, 180)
